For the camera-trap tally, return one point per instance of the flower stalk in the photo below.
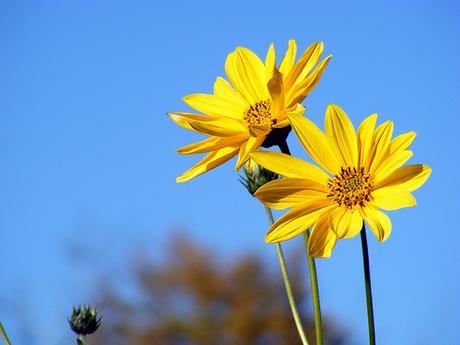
(5, 339)
(287, 283)
(81, 339)
(284, 148)
(315, 293)
(367, 283)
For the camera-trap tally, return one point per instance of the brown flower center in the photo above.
(259, 113)
(350, 188)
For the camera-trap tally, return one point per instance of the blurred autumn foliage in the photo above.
(197, 297)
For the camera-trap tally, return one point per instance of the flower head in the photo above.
(251, 110)
(84, 320)
(362, 173)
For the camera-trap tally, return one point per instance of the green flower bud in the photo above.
(84, 320)
(256, 176)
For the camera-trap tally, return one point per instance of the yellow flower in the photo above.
(362, 174)
(241, 115)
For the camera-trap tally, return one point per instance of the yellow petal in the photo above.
(282, 123)
(211, 125)
(252, 73)
(276, 89)
(182, 119)
(223, 89)
(300, 90)
(303, 67)
(212, 144)
(392, 198)
(253, 143)
(345, 223)
(270, 62)
(378, 221)
(216, 129)
(380, 146)
(409, 177)
(297, 220)
(341, 135)
(289, 166)
(234, 75)
(289, 58)
(288, 192)
(314, 142)
(402, 142)
(211, 161)
(214, 105)
(391, 163)
(322, 239)
(259, 130)
(365, 138)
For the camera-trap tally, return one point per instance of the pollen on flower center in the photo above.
(350, 188)
(259, 113)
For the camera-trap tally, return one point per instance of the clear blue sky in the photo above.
(88, 159)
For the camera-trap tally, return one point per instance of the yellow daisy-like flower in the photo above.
(362, 174)
(240, 116)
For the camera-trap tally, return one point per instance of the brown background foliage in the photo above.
(196, 297)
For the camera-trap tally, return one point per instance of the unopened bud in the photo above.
(256, 176)
(84, 320)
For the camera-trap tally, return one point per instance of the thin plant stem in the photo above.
(367, 283)
(81, 339)
(284, 148)
(5, 339)
(315, 293)
(287, 284)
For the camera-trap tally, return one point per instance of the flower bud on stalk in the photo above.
(84, 320)
(256, 176)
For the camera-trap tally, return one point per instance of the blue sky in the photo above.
(88, 156)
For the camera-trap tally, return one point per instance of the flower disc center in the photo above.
(259, 114)
(350, 188)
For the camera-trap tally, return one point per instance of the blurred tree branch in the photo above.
(197, 299)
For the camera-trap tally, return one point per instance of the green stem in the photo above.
(287, 284)
(315, 293)
(313, 277)
(367, 283)
(6, 341)
(81, 339)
